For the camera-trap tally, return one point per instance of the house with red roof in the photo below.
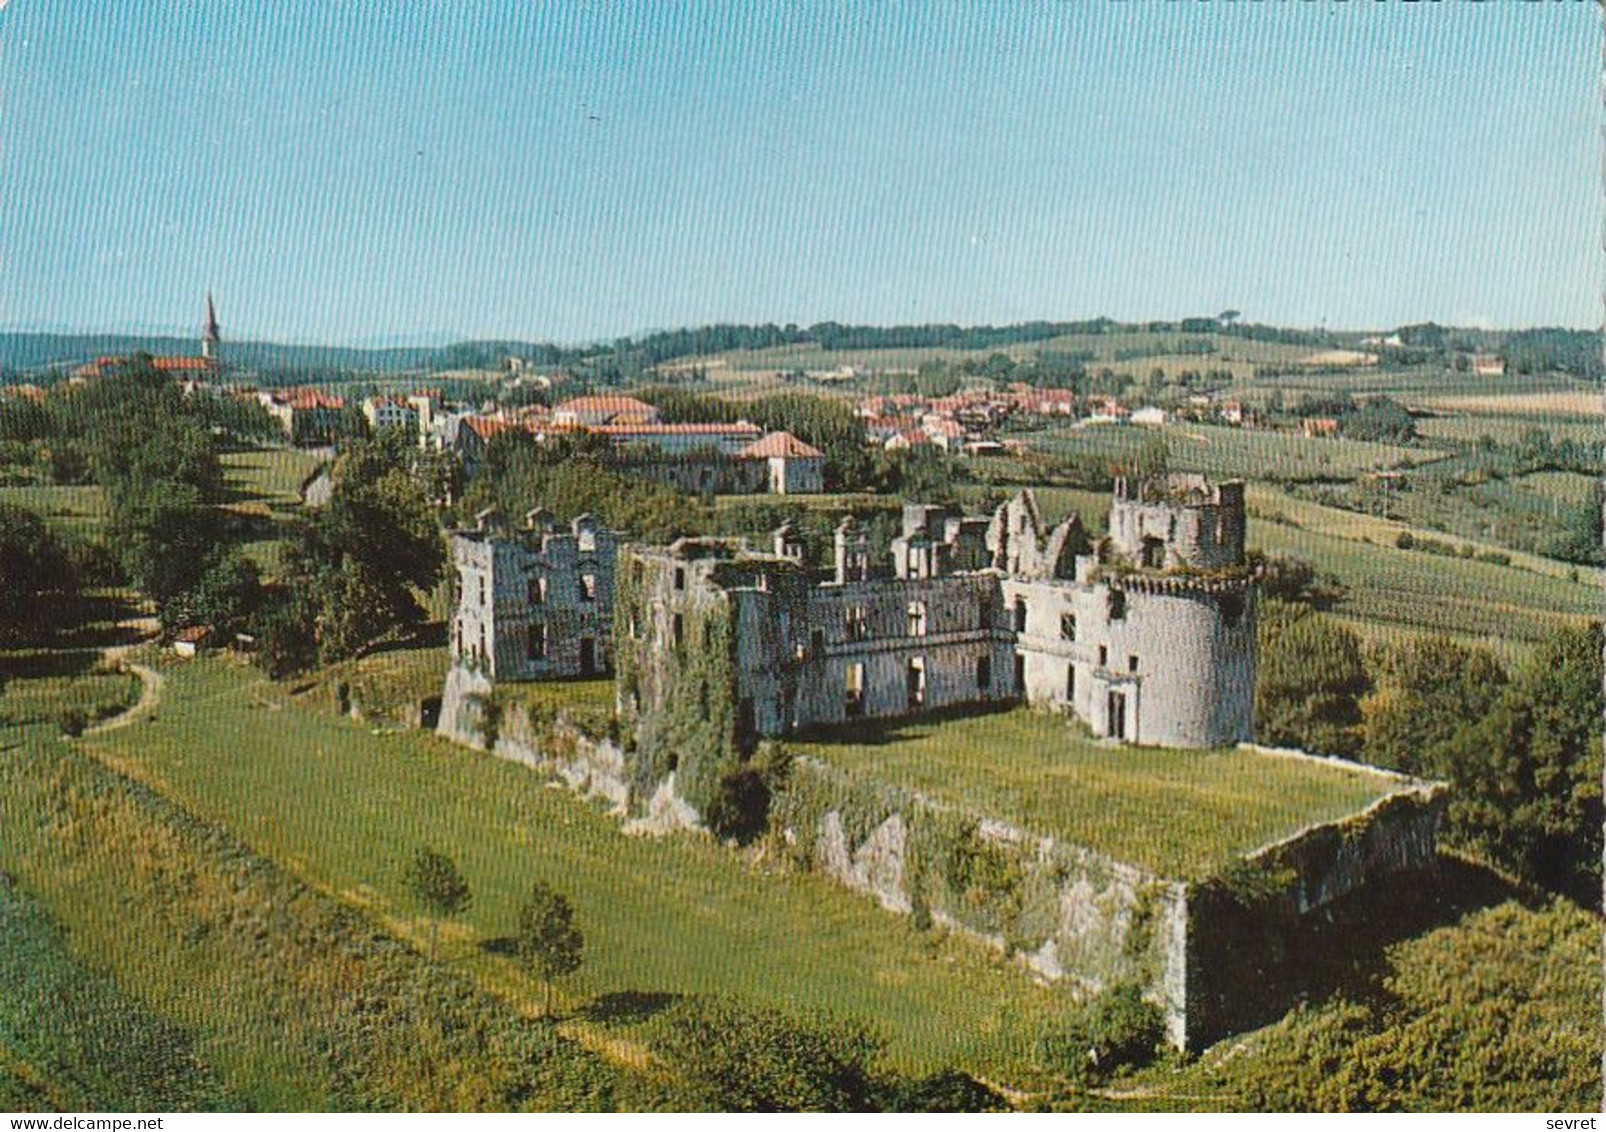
(795, 468)
(596, 410)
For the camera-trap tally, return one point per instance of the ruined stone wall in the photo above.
(1200, 526)
(590, 765)
(955, 636)
(1253, 932)
(534, 605)
(1068, 913)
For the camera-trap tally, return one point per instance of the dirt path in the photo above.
(150, 694)
(150, 691)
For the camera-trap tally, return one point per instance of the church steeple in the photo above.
(209, 333)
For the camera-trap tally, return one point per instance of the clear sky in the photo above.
(340, 171)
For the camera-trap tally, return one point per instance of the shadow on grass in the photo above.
(627, 1007)
(1251, 973)
(897, 729)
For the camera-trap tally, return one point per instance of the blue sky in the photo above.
(345, 172)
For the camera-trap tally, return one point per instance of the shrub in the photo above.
(73, 722)
(1118, 1028)
(737, 1058)
(948, 1090)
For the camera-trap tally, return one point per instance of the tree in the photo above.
(354, 568)
(1427, 691)
(1309, 682)
(550, 943)
(1528, 775)
(439, 888)
(164, 533)
(742, 1059)
(36, 575)
(226, 597)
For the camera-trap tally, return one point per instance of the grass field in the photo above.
(80, 509)
(271, 475)
(1467, 428)
(1562, 402)
(345, 809)
(41, 688)
(1225, 452)
(1181, 814)
(1568, 487)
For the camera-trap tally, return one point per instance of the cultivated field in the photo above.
(1181, 814)
(1226, 452)
(1575, 403)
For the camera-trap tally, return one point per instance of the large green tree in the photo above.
(1310, 682)
(1427, 691)
(549, 942)
(1527, 776)
(355, 568)
(36, 576)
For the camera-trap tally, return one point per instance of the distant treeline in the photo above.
(1525, 351)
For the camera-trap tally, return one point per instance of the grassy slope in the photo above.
(1178, 813)
(294, 1001)
(1220, 451)
(82, 510)
(35, 688)
(265, 483)
(345, 809)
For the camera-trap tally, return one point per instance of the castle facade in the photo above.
(1148, 637)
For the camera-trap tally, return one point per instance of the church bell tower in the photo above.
(209, 333)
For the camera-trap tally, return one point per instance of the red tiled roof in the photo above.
(304, 399)
(614, 405)
(741, 428)
(487, 427)
(781, 444)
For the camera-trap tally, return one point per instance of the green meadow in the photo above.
(345, 808)
(1182, 814)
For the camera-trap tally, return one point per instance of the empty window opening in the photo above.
(1070, 682)
(1020, 615)
(917, 619)
(680, 577)
(1068, 626)
(588, 587)
(588, 656)
(536, 591)
(537, 645)
(1020, 673)
(1116, 709)
(1153, 553)
(679, 628)
(984, 672)
(855, 691)
(1117, 605)
(1131, 664)
(915, 678)
(1104, 656)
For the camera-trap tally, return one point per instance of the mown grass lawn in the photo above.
(1181, 814)
(272, 475)
(346, 809)
(81, 509)
(43, 687)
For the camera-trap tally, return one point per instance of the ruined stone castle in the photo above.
(1148, 637)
